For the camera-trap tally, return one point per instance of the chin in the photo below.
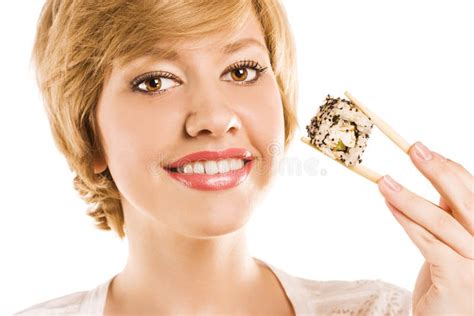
(213, 221)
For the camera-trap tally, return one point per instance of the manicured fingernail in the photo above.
(421, 152)
(391, 184)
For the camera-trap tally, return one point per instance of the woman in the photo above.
(165, 110)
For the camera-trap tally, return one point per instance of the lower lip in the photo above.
(218, 181)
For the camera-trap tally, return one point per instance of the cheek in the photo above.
(137, 126)
(135, 135)
(261, 112)
(264, 119)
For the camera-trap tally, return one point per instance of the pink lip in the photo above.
(202, 181)
(239, 153)
(207, 182)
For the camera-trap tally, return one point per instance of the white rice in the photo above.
(340, 130)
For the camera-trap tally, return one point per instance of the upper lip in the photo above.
(240, 153)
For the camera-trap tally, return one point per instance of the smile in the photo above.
(217, 181)
(212, 170)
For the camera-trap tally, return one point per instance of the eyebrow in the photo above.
(164, 54)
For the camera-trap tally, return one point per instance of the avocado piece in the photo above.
(340, 146)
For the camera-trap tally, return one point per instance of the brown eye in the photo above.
(242, 75)
(244, 72)
(153, 84)
(239, 74)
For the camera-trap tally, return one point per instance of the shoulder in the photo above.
(64, 305)
(359, 297)
(89, 302)
(337, 297)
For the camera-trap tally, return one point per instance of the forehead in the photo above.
(223, 42)
(220, 39)
(161, 52)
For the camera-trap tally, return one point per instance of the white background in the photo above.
(409, 61)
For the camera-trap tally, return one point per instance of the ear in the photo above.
(99, 164)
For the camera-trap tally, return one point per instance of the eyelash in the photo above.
(135, 83)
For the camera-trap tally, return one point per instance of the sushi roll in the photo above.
(340, 130)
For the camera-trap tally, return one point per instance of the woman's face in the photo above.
(203, 106)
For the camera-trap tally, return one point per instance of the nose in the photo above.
(211, 113)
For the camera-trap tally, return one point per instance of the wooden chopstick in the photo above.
(381, 124)
(384, 128)
(359, 169)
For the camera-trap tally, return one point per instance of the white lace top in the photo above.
(308, 297)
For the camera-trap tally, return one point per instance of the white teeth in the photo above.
(223, 165)
(212, 166)
(198, 167)
(236, 164)
(188, 168)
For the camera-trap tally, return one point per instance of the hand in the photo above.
(443, 233)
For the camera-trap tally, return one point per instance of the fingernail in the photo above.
(421, 152)
(391, 184)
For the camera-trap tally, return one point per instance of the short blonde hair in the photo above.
(77, 42)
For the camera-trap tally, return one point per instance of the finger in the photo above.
(447, 266)
(465, 176)
(429, 216)
(433, 250)
(446, 181)
(443, 204)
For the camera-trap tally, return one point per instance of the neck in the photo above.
(167, 270)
